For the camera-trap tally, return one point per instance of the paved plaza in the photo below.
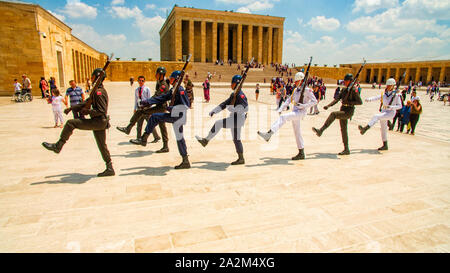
(370, 201)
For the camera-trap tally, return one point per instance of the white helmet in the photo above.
(390, 81)
(299, 76)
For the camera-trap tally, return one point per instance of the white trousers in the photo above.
(383, 117)
(58, 116)
(295, 117)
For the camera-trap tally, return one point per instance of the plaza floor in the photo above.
(370, 201)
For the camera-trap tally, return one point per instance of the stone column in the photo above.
(214, 42)
(280, 45)
(269, 45)
(250, 43)
(372, 74)
(429, 73)
(408, 71)
(203, 41)
(379, 75)
(442, 74)
(397, 73)
(388, 73)
(225, 42)
(417, 75)
(239, 44)
(260, 43)
(191, 38)
(178, 40)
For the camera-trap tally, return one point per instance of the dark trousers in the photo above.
(157, 118)
(398, 117)
(343, 116)
(97, 125)
(401, 125)
(233, 122)
(143, 114)
(414, 119)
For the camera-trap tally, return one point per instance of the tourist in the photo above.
(404, 119)
(26, 85)
(88, 85)
(56, 107)
(206, 87)
(131, 81)
(18, 89)
(257, 91)
(43, 85)
(315, 110)
(416, 111)
(52, 83)
(75, 95)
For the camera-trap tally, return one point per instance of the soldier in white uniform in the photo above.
(391, 102)
(302, 102)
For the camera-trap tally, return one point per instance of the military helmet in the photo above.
(97, 72)
(236, 79)
(390, 81)
(299, 76)
(161, 70)
(175, 74)
(348, 77)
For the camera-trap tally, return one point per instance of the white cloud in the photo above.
(244, 10)
(117, 2)
(124, 12)
(107, 43)
(250, 5)
(369, 6)
(150, 6)
(436, 9)
(57, 15)
(78, 9)
(323, 23)
(299, 21)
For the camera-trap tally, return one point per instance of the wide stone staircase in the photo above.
(224, 73)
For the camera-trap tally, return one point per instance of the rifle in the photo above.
(97, 83)
(349, 88)
(180, 80)
(305, 80)
(239, 86)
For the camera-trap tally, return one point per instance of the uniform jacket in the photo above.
(241, 101)
(99, 106)
(181, 98)
(387, 98)
(309, 100)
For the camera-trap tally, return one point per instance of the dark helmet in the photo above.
(236, 79)
(97, 72)
(348, 77)
(176, 74)
(161, 70)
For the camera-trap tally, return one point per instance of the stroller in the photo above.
(23, 96)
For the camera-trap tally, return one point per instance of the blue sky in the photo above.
(333, 31)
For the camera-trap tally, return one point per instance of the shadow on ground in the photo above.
(322, 156)
(272, 161)
(133, 154)
(150, 171)
(69, 178)
(213, 166)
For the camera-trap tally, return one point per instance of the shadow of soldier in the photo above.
(322, 156)
(69, 178)
(366, 151)
(149, 171)
(272, 161)
(213, 166)
(133, 154)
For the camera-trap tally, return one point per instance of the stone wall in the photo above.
(336, 73)
(124, 70)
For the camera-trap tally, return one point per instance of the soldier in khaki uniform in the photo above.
(98, 123)
(162, 87)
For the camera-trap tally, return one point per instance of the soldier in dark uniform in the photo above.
(238, 115)
(162, 87)
(98, 123)
(178, 114)
(349, 100)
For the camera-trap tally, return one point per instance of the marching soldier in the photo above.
(349, 98)
(235, 121)
(391, 102)
(141, 114)
(302, 102)
(177, 116)
(98, 123)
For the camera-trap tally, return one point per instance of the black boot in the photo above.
(390, 125)
(142, 141)
(125, 130)
(55, 147)
(300, 156)
(240, 160)
(266, 136)
(202, 141)
(164, 149)
(363, 130)
(108, 172)
(156, 140)
(134, 141)
(384, 147)
(317, 131)
(184, 164)
(346, 151)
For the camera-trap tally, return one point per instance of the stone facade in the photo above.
(124, 70)
(210, 35)
(425, 71)
(25, 50)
